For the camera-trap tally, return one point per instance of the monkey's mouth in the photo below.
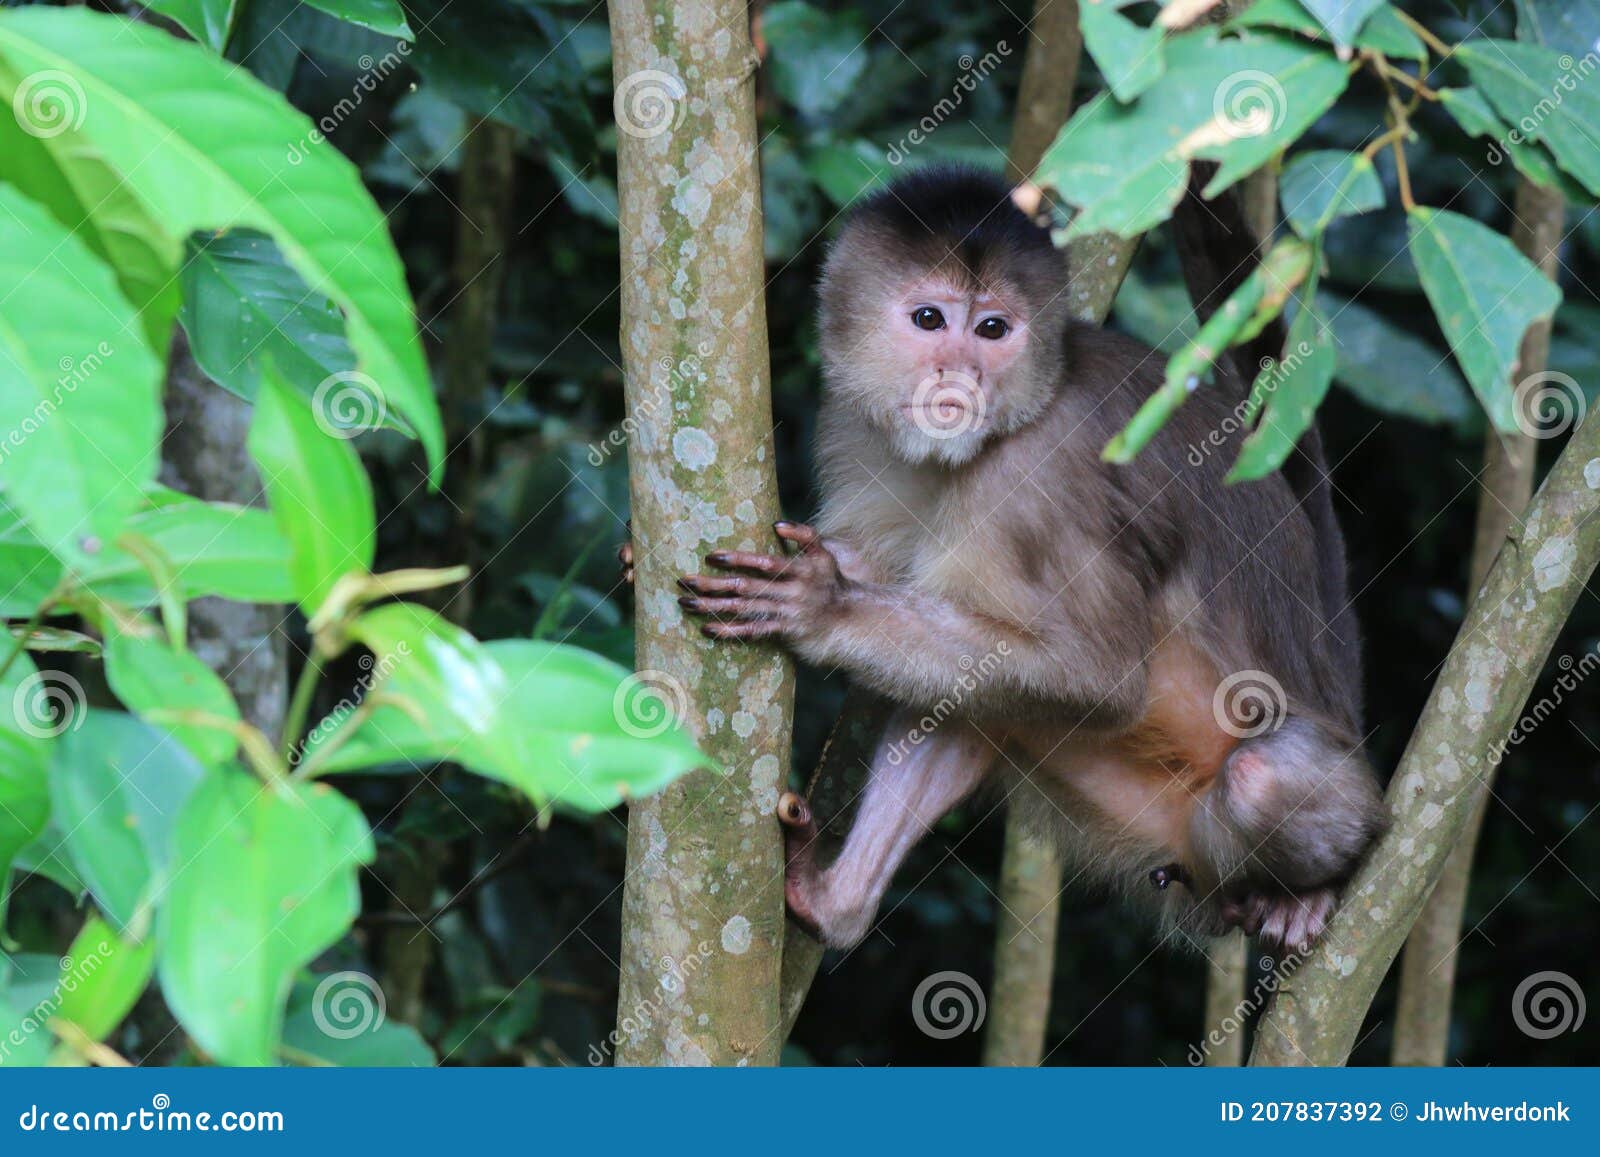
(946, 416)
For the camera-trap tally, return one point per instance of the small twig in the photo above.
(83, 1045)
(1440, 47)
(1405, 78)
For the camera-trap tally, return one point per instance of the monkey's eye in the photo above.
(927, 318)
(993, 328)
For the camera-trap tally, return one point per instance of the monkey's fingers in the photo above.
(798, 533)
(625, 560)
(704, 584)
(765, 564)
(742, 629)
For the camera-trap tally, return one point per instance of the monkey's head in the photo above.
(943, 314)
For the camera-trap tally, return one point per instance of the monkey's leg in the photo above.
(910, 788)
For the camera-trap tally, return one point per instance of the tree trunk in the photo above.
(1428, 967)
(1437, 789)
(1227, 973)
(1029, 895)
(703, 909)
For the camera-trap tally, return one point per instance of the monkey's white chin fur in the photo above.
(914, 445)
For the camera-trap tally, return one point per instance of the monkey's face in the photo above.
(940, 364)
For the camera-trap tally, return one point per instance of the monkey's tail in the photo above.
(1217, 250)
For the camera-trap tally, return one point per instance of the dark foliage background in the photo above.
(524, 943)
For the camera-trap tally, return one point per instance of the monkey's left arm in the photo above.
(919, 648)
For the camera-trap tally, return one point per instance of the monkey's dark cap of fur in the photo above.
(967, 212)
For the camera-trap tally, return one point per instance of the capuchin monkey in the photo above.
(1158, 667)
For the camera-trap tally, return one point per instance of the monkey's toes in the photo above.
(625, 560)
(1292, 922)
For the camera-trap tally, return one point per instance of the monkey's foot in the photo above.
(625, 558)
(800, 868)
(1290, 921)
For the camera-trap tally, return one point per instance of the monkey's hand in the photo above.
(776, 596)
(625, 556)
(1286, 922)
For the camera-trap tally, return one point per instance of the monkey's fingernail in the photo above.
(689, 604)
(782, 524)
(717, 557)
(687, 583)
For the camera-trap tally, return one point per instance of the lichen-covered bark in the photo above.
(204, 455)
(1428, 966)
(1500, 651)
(703, 911)
(1227, 973)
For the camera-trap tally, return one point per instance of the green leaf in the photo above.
(80, 394)
(848, 171)
(1237, 101)
(243, 306)
(1342, 18)
(1564, 25)
(343, 1020)
(102, 975)
(556, 722)
(1486, 295)
(24, 1040)
(116, 786)
(1475, 116)
(208, 21)
(817, 57)
(147, 675)
(24, 764)
(1538, 91)
(1129, 57)
(1286, 394)
(382, 16)
(1318, 188)
(269, 884)
(318, 491)
(1393, 370)
(509, 61)
(156, 120)
(1383, 31)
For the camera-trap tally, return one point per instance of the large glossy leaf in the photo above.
(24, 778)
(559, 723)
(382, 16)
(157, 118)
(208, 21)
(116, 787)
(1343, 18)
(1317, 188)
(1392, 370)
(817, 57)
(1474, 114)
(1538, 91)
(509, 61)
(1485, 295)
(318, 490)
(102, 975)
(148, 675)
(268, 883)
(79, 390)
(1235, 100)
(1128, 56)
(1571, 26)
(1383, 30)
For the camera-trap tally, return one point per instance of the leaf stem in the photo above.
(1443, 50)
(300, 702)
